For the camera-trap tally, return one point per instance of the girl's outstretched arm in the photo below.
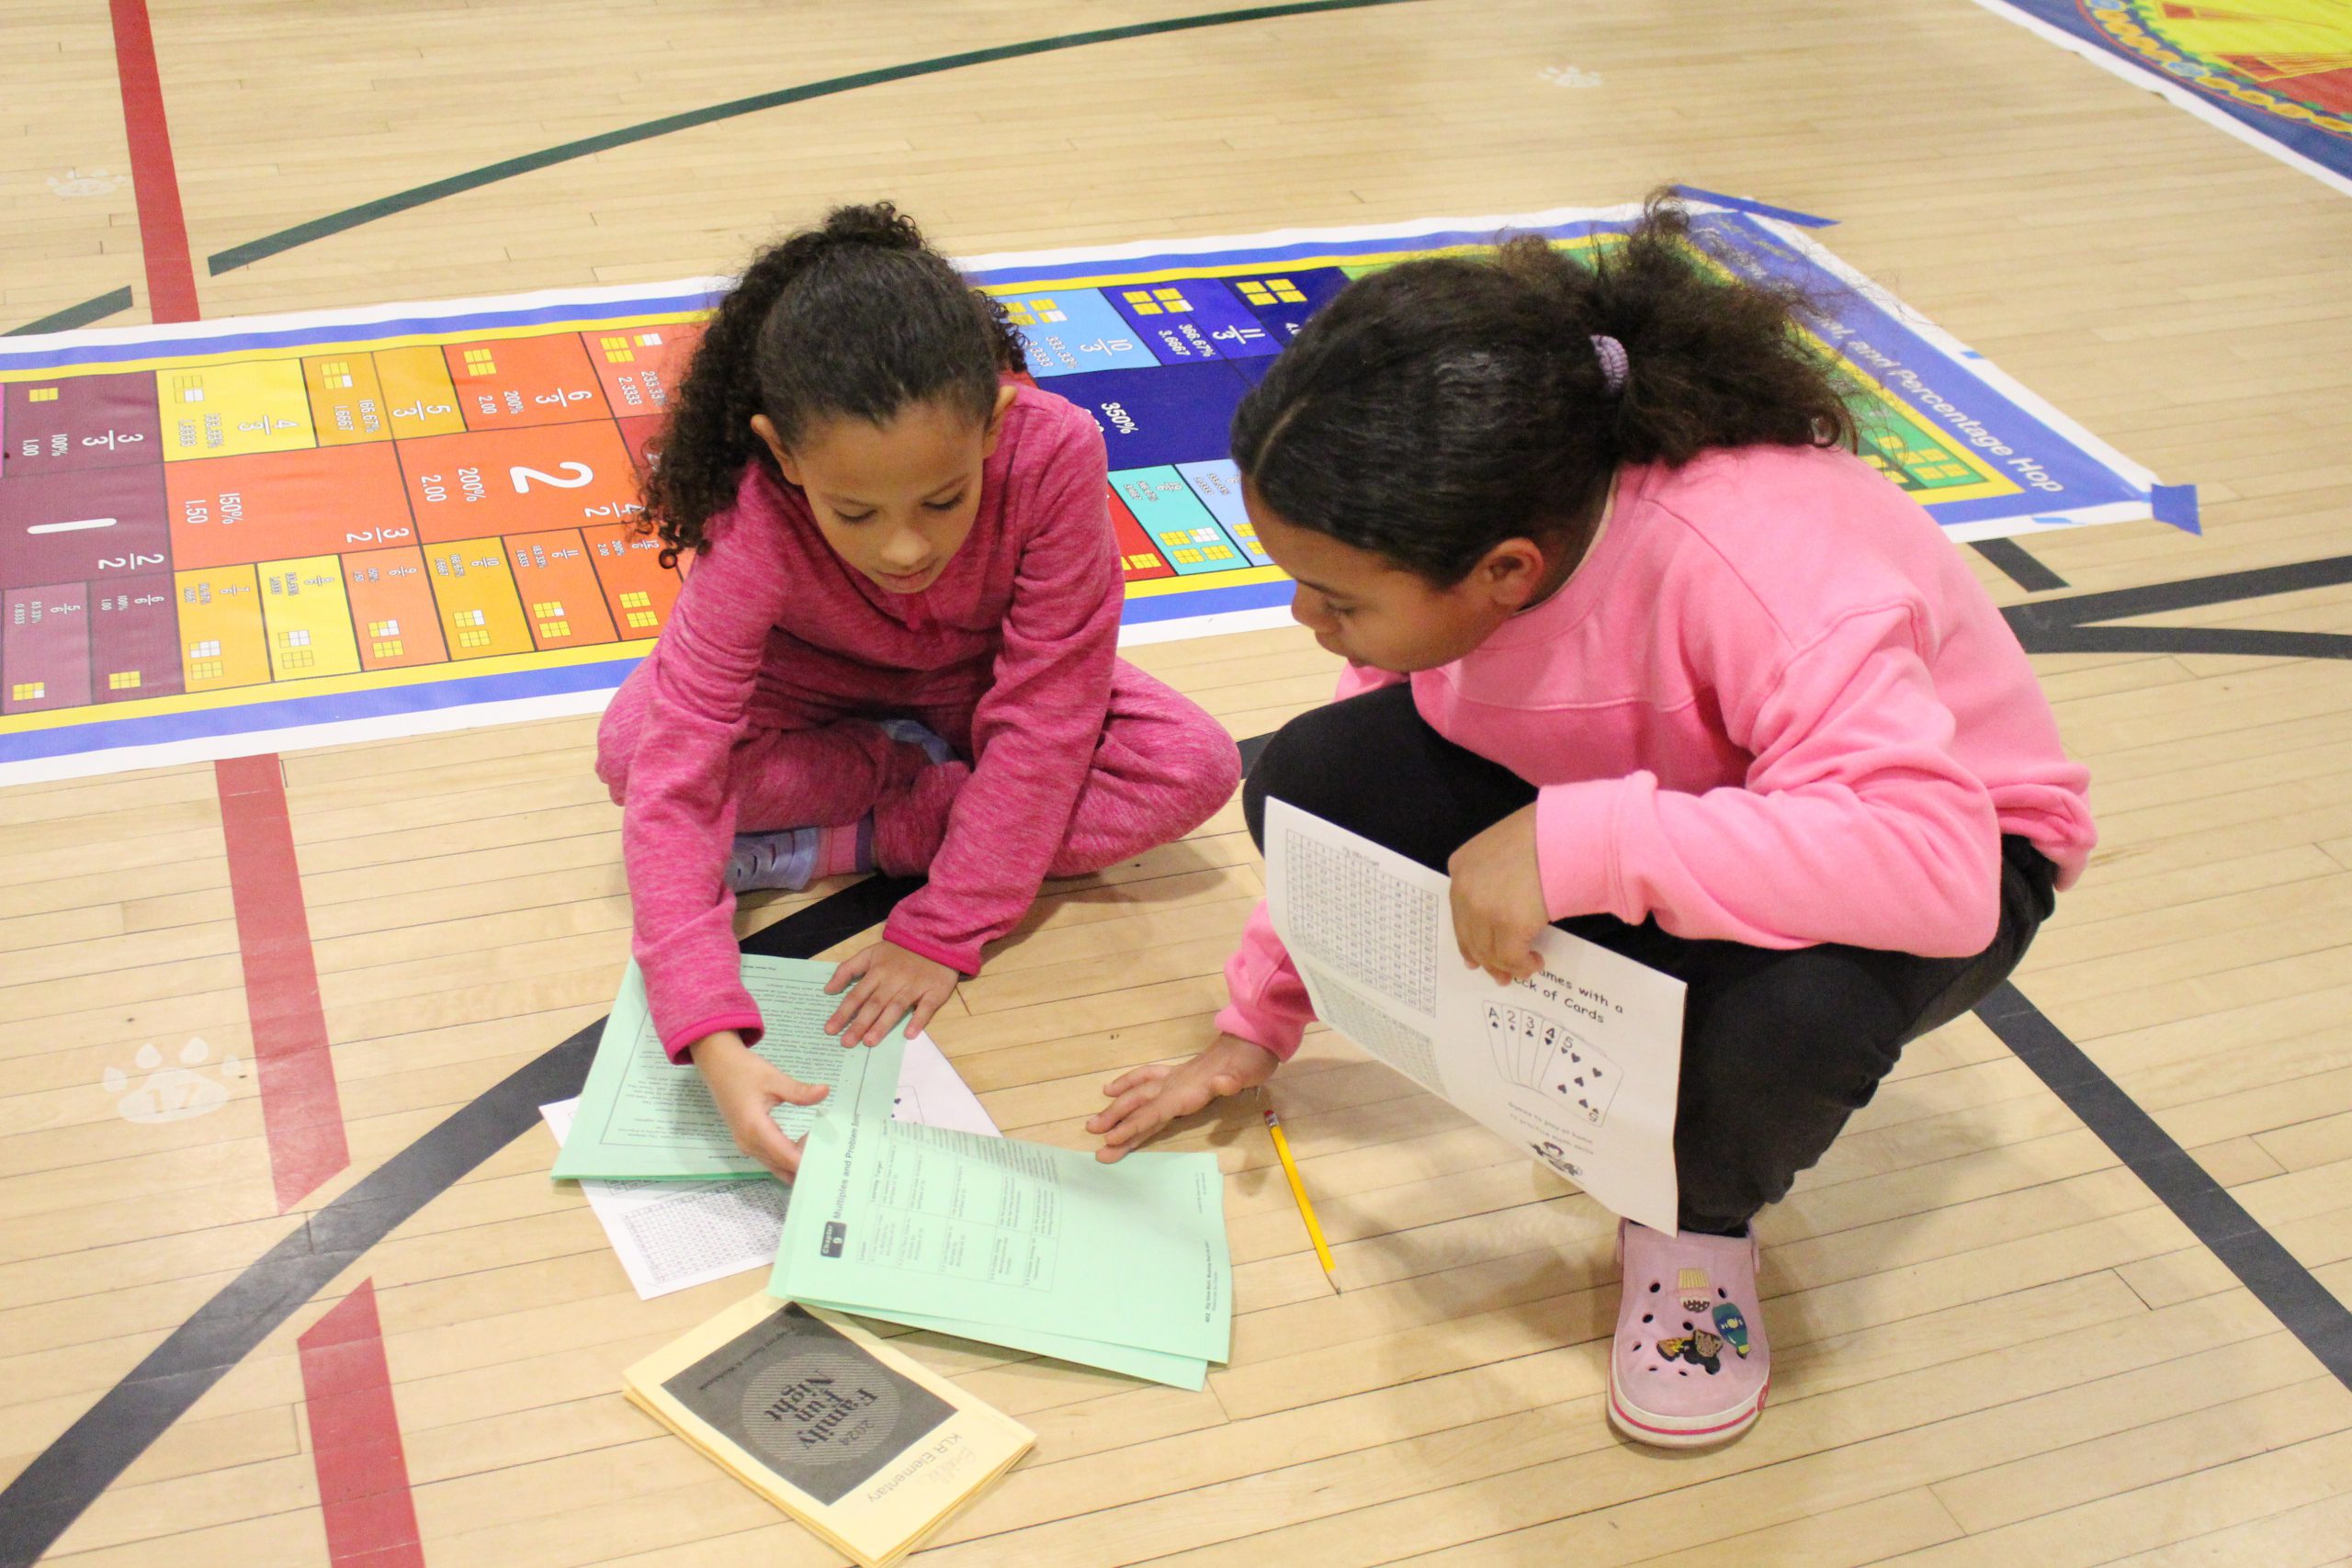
(680, 817)
(1144, 1099)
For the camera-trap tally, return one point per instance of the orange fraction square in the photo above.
(558, 583)
(346, 398)
(283, 505)
(391, 602)
(637, 587)
(508, 383)
(474, 587)
(642, 367)
(518, 481)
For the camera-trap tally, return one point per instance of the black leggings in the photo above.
(1779, 1047)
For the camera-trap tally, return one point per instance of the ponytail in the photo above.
(857, 318)
(1437, 409)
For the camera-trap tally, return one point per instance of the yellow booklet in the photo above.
(829, 1423)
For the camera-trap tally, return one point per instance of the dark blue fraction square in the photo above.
(1190, 319)
(1175, 414)
(1283, 300)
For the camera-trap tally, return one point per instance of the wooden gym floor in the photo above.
(1998, 1344)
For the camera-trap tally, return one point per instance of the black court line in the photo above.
(2277, 1278)
(2077, 624)
(75, 316)
(365, 212)
(2018, 565)
(605, 141)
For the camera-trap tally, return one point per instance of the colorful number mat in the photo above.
(287, 531)
(2277, 74)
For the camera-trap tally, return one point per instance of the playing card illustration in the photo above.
(1579, 1076)
(1514, 1034)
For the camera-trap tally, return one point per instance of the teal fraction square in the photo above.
(1072, 331)
(1219, 485)
(1185, 531)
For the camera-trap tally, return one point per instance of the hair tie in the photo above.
(1611, 354)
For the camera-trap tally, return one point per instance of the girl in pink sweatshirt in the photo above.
(1637, 645)
(896, 650)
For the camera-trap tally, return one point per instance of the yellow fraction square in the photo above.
(547, 609)
(206, 669)
(235, 409)
(29, 691)
(555, 629)
(335, 367)
(642, 620)
(468, 618)
(122, 680)
(474, 639)
(636, 599)
(42, 395)
(383, 628)
(388, 648)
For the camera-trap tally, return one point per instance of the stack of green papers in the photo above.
(642, 1119)
(1121, 1266)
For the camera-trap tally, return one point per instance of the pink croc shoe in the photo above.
(1690, 1366)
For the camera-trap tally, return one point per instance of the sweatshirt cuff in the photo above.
(964, 960)
(1279, 1035)
(750, 1025)
(1576, 848)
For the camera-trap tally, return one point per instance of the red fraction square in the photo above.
(518, 481)
(82, 422)
(503, 383)
(1139, 562)
(283, 505)
(639, 436)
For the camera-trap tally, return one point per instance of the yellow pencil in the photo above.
(1306, 1209)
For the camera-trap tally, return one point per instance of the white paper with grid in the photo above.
(1577, 1066)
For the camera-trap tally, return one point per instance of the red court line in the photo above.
(154, 178)
(356, 1437)
(300, 1104)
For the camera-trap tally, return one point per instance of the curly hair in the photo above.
(1432, 411)
(857, 317)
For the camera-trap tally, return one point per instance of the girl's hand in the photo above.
(1499, 899)
(747, 1088)
(892, 983)
(1146, 1099)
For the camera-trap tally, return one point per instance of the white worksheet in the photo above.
(671, 1235)
(1578, 1065)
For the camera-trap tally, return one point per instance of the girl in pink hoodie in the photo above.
(1637, 645)
(896, 650)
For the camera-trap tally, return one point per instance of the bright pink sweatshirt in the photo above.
(771, 627)
(1771, 707)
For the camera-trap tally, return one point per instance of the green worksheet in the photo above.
(1014, 1244)
(640, 1117)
